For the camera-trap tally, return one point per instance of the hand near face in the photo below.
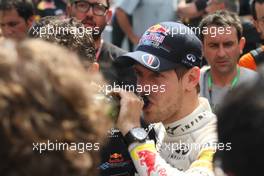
(130, 111)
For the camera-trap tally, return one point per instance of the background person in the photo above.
(255, 57)
(144, 13)
(16, 17)
(95, 15)
(51, 8)
(222, 49)
(1, 35)
(240, 123)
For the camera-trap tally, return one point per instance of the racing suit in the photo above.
(183, 148)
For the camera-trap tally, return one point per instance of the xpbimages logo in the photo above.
(80, 147)
(212, 31)
(52, 30)
(145, 89)
(184, 147)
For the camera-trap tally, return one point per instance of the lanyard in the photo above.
(210, 83)
(98, 52)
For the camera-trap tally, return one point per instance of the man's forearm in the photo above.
(191, 10)
(124, 24)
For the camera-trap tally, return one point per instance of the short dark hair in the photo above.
(241, 123)
(66, 33)
(24, 8)
(253, 9)
(222, 18)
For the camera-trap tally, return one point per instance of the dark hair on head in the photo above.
(221, 18)
(24, 8)
(241, 123)
(68, 33)
(253, 9)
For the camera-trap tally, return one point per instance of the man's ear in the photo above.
(94, 67)
(30, 21)
(108, 16)
(203, 51)
(192, 78)
(242, 43)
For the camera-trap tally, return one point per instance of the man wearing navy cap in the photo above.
(167, 59)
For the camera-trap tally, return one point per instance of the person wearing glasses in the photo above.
(252, 59)
(16, 17)
(95, 15)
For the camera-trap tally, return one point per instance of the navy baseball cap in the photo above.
(164, 46)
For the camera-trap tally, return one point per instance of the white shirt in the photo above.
(184, 147)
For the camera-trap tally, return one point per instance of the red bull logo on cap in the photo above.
(154, 36)
(158, 28)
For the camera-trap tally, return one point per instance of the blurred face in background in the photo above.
(1, 35)
(223, 50)
(14, 26)
(94, 14)
(259, 22)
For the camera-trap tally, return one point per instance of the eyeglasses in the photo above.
(84, 6)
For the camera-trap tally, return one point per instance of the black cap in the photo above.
(165, 45)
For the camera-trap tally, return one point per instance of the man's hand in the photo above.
(134, 39)
(125, 25)
(130, 110)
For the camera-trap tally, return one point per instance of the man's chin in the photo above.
(150, 118)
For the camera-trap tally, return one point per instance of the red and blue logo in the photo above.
(151, 61)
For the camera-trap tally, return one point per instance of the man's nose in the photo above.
(90, 11)
(221, 52)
